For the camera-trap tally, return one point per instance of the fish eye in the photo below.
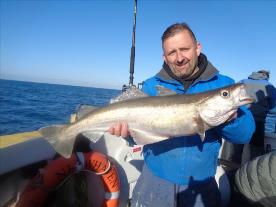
(225, 94)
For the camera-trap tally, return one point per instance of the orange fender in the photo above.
(37, 190)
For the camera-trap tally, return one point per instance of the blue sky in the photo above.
(88, 42)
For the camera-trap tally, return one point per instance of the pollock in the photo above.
(153, 119)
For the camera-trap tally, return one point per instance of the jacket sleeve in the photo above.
(149, 87)
(239, 130)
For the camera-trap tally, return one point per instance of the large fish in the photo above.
(153, 119)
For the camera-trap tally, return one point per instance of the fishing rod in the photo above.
(132, 54)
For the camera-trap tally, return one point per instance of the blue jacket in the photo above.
(188, 160)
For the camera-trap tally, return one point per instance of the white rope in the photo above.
(112, 195)
(80, 167)
(107, 169)
(81, 164)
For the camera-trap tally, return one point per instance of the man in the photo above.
(181, 171)
(264, 93)
(265, 96)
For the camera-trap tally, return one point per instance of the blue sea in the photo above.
(27, 106)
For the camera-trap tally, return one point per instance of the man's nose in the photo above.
(179, 57)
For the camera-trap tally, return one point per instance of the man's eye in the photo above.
(171, 53)
(184, 49)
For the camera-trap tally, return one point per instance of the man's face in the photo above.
(181, 53)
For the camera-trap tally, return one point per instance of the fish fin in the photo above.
(200, 128)
(61, 142)
(143, 137)
(202, 136)
(51, 131)
(130, 93)
(82, 110)
(162, 91)
(93, 136)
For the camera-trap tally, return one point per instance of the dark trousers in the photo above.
(258, 136)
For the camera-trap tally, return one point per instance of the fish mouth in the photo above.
(246, 100)
(244, 97)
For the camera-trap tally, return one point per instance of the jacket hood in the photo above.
(258, 76)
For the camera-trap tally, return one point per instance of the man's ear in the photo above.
(198, 48)
(164, 58)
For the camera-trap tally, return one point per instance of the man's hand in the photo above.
(119, 129)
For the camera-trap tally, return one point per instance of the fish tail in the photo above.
(61, 141)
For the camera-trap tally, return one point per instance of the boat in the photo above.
(24, 156)
(30, 152)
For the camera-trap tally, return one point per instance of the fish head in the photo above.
(219, 105)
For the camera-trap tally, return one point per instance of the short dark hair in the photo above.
(176, 28)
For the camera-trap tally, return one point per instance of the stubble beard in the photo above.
(182, 72)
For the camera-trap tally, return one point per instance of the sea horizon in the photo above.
(54, 83)
(27, 106)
